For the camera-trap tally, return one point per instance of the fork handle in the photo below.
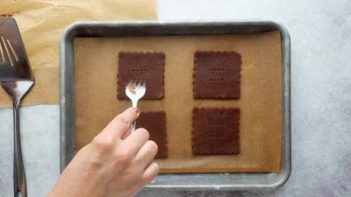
(133, 126)
(134, 104)
(18, 168)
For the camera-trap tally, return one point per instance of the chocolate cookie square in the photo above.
(155, 123)
(216, 75)
(215, 131)
(148, 66)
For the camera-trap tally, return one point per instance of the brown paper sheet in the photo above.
(42, 22)
(260, 102)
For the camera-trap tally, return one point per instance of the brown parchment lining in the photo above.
(260, 102)
(41, 25)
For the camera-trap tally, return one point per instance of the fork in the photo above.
(17, 79)
(135, 90)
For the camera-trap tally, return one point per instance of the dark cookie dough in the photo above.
(215, 131)
(148, 66)
(217, 75)
(155, 123)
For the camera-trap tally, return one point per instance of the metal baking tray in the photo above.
(222, 181)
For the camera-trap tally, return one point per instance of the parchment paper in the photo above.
(260, 102)
(42, 22)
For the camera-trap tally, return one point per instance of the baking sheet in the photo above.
(260, 102)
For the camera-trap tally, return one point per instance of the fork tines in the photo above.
(141, 83)
(134, 83)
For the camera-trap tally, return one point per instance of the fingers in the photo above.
(150, 173)
(147, 175)
(136, 140)
(143, 165)
(121, 123)
(146, 154)
(127, 133)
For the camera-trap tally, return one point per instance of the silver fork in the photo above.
(135, 90)
(17, 79)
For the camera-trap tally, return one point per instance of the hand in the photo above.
(116, 163)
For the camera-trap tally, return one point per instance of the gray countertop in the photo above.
(320, 33)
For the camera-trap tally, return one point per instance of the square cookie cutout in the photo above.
(216, 75)
(155, 123)
(215, 131)
(148, 66)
